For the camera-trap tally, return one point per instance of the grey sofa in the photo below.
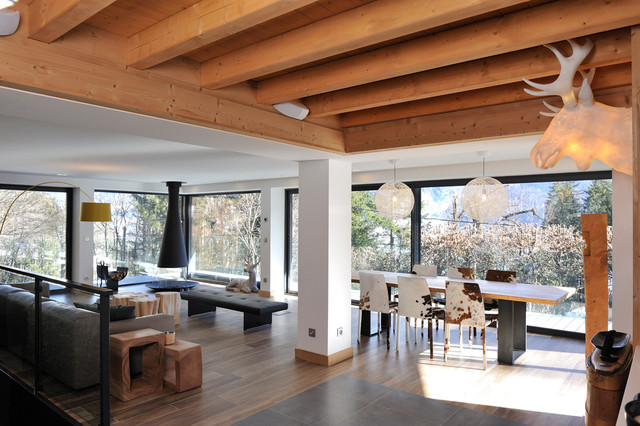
(70, 335)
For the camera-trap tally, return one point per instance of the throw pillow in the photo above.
(116, 312)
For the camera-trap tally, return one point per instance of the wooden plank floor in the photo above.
(247, 371)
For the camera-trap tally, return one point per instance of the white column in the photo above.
(82, 269)
(272, 243)
(324, 276)
(622, 220)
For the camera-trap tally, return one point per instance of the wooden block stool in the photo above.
(183, 366)
(151, 343)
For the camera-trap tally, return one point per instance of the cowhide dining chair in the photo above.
(414, 301)
(491, 305)
(431, 271)
(464, 307)
(375, 297)
(462, 274)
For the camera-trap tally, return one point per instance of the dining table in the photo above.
(512, 306)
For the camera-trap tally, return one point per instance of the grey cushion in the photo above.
(5, 291)
(116, 312)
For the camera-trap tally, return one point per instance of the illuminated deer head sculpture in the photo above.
(582, 129)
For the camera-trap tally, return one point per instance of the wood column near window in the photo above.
(596, 276)
(635, 102)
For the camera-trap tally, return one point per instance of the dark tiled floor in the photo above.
(345, 400)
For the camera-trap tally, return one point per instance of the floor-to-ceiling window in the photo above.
(225, 234)
(539, 237)
(132, 239)
(36, 232)
(291, 246)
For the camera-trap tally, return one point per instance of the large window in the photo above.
(36, 230)
(291, 213)
(132, 239)
(539, 236)
(225, 233)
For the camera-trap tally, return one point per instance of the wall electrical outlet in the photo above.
(312, 332)
(340, 331)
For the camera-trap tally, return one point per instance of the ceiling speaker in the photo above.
(9, 20)
(294, 109)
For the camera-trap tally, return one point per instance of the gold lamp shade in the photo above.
(95, 212)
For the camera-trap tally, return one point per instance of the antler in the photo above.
(563, 85)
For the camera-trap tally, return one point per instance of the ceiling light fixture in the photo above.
(484, 198)
(292, 109)
(394, 200)
(9, 19)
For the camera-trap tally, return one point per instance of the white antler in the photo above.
(563, 85)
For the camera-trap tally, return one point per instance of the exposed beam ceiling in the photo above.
(376, 74)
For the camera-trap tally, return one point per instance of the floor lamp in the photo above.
(89, 212)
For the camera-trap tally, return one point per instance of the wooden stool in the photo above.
(151, 343)
(183, 366)
(170, 304)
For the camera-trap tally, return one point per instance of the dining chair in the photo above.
(414, 301)
(464, 307)
(375, 297)
(491, 305)
(463, 274)
(430, 271)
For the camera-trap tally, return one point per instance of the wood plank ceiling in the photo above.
(376, 75)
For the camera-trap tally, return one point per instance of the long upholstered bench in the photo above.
(257, 310)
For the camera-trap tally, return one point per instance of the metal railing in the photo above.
(103, 310)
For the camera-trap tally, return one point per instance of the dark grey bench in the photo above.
(257, 310)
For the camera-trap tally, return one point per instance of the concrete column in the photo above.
(272, 243)
(324, 287)
(622, 220)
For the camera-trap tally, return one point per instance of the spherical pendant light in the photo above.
(484, 199)
(394, 200)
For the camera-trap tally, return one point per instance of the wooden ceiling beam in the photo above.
(547, 23)
(609, 77)
(510, 119)
(610, 48)
(48, 20)
(203, 23)
(54, 70)
(357, 28)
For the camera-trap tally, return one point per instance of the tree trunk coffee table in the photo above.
(151, 343)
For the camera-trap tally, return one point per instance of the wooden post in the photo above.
(596, 276)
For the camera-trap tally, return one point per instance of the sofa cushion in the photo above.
(5, 291)
(116, 312)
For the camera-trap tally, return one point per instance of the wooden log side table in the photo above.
(170, 304)
(183, 366)
(151, 343)
(145, 305)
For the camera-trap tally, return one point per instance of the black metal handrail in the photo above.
(103, 310)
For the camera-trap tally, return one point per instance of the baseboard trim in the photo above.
(264, 293)
(326, 360)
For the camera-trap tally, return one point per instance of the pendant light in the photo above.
(394, 200)
(484, 198)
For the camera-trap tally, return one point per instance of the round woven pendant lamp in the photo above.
(484, 198)
(394, 200)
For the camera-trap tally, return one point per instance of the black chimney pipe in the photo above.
(172, 251)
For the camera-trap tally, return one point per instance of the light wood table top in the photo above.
(519, 292)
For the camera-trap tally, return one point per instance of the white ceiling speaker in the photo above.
(9, 20)
(292, 109)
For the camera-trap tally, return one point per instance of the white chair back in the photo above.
(414, 298)
(426, 270)
(461, 273)
(373, 292)
(464, 304)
